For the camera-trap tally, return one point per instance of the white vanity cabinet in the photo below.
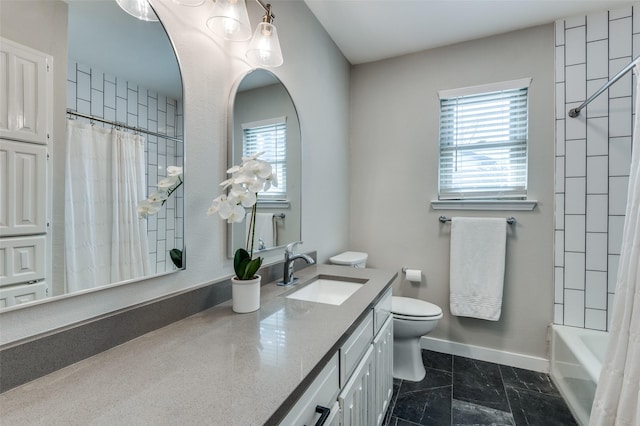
(366, 396)
(360, 374)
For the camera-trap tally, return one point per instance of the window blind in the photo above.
(483, 145)
(270, 137)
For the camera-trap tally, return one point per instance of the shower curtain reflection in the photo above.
(105, 241)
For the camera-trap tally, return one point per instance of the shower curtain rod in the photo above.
(574, 112)
(124, 126)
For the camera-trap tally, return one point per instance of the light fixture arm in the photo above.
(268, 16)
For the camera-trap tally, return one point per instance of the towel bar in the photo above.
(510, 220)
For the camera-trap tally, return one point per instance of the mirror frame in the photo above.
(230, 146)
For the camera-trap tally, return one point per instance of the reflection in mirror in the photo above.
(122, 144)
(265, 120)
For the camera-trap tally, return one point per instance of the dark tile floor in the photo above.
(463, 391)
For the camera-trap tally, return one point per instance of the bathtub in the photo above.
(576, 360)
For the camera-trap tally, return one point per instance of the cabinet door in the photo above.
(322, 391)
(22, 188)
(355, 399)
(25, 92)
(383, 353)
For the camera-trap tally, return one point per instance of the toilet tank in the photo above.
(355, 259)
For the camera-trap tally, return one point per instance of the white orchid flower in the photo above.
(157, 198)
(145, 208)
(167, 183)
(230, 211)
(233, 170)
(237, 215)
(258, 168)
(252, 157)
(256, 185)
(174, 171)
(216, 203)
(227, 183)
(244, 197)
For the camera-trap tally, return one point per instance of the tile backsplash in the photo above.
(593, 157)
(91, 91)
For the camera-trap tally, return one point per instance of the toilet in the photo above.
(354, 259)
(412, 319)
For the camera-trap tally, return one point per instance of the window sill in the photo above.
(520, 205)
(274, 204)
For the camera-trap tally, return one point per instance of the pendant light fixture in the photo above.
(191, 3)
(140, 9)
(264, 48)
(230, 20)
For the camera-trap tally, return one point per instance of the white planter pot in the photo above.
(245, 294)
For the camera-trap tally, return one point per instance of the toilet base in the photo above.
(407, 359)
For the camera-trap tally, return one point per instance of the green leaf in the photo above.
(240, 256)
(252, 268)
(176, 257)
(245, 267)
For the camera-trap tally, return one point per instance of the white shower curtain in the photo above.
(617, 399)
(105, 242)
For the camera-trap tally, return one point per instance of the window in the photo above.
(270, 137)
(483, 141)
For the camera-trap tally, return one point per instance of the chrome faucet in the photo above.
(289, 259)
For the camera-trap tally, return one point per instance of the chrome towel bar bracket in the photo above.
(443, 219)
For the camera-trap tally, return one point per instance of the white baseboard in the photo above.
(511, 359)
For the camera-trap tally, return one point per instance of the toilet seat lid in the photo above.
(408, 306)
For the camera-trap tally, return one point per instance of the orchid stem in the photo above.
(252, 225)
(172, 190)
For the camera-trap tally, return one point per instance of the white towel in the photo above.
(265, 229)
(477, 266)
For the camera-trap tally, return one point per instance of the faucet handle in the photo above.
(292, 246)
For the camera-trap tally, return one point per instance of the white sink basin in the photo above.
(324, 290)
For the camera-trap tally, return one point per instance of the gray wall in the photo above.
(317, 76)
(394, 175)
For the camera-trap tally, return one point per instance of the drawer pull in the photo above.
(324, 414)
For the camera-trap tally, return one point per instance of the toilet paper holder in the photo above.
(413, 275)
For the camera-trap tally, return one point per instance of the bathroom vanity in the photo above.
(218, 367)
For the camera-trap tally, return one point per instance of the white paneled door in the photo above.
(22, 188)
(25, 83)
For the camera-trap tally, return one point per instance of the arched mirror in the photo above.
(264, 119)
(117, 139)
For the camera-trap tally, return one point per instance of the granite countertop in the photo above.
(215, 367)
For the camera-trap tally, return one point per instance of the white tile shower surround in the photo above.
(593, 154)
(90, 91)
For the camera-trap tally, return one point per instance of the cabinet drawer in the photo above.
(21, 259)
(322, 391)
(22, 293)
(355, 347)
(381, 311)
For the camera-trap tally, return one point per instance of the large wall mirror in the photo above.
(118, 139)
(264, 119)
